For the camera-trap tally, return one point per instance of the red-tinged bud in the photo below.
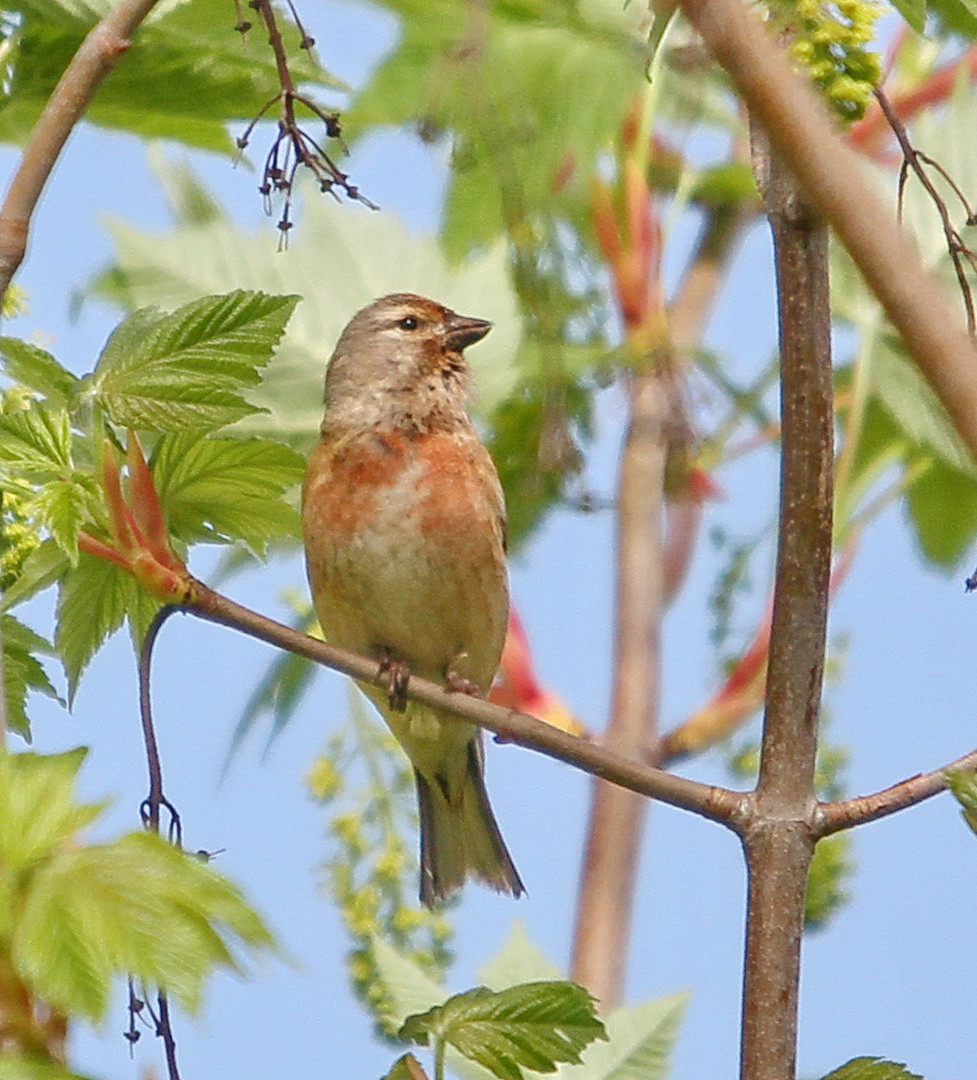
(146, 508)
(90, 545)
(161, 581)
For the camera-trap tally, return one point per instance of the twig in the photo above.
(95, 58)
(293, 147)
(834, 816)
(830, 174)
(915, 160)
(149, 811)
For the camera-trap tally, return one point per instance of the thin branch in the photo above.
(831, 175)
(916, 161)
(95, 58)
(832, 817)
(606, 895)
(716, 803)
(149, 811)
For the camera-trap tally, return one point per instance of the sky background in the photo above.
(891, 975)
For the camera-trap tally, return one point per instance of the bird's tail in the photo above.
(460, 837)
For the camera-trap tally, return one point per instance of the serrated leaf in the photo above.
(227, 490)
(640, 1041)
(871, 1068)
(187, 370)
(42, 567)
(95, 596)
(64, 506)
(533, 1026)
(137, 906)
(23, 672)
(35, 441)
(38, 370)
(38, 811)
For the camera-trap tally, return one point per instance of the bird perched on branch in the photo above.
(404, 526)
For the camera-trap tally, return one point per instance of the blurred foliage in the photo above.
(365, 781)
(77, 916)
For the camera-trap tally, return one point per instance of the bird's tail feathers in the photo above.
(460, 838)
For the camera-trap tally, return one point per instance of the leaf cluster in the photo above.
(74, 917)
(180, 379)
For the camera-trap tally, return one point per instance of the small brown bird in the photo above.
(404, 526)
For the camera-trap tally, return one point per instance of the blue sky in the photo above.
(889, 976)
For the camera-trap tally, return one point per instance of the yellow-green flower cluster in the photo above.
(371, 875)
(831, 40)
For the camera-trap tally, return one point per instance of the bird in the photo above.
(404, 528)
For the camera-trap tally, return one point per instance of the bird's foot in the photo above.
(396, 674)
(458, 684)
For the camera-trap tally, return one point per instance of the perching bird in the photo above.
(404, 525)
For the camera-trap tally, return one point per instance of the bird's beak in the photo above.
(462, 331)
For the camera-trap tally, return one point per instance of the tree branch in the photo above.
(832, 817)
(779, 842)
(95, 58)
(716, 803)
(832, 177)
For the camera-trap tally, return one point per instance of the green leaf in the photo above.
(942, 505)
(831, 867)
(913, 11)
(963, 787)
(65, 506)
(38, 811)
(871, 1068)
(22, 671)
(32, 367)
(23, 1068)
(136, 906)
(410, 990)
(187, 370)
(94, 598)
(184, 77)
(533, 1026)
(42, 567)
(518, 961)
(640, 1041)
(406, 1067)
(35, 441)
(227, 490)
(352, 258)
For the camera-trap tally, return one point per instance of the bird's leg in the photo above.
(397, 676)
(458, 684)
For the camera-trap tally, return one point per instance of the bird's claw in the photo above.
(396, 674)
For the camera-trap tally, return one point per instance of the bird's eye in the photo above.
(408, 322)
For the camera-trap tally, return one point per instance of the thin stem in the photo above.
(603, 922)
(95, 58)
(779, 842)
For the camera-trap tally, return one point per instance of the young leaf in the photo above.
(64, 506)
(35, 441)
(963, 787)
(533, 1026)
(187, 370)
(38, 811)
(227, 490)
(871, 1068)
(518, 961)
(22, 1068)
(38, 370)
(136, 906)
(95, 596)
(409, 988)
(22, 671)
(42, 567)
